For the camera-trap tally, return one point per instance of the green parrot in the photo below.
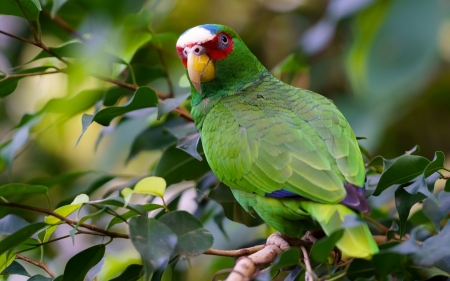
(287, 154)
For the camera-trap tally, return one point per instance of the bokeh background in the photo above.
(385, 63)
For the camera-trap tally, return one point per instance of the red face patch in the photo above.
(217, 49)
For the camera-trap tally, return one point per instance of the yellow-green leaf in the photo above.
(6, 259)
(127, 193)
(151, 185)
(64, 211)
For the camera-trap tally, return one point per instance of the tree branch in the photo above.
(18, 38)
(38, 264)
(62, 23)
(9, 76)
(67, 220)
(235, 253)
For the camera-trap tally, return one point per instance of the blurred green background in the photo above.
(385, 63)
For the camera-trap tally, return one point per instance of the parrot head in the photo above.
(216, 59)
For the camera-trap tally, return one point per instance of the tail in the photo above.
(356, 241)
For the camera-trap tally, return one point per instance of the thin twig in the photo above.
(234, 253)
(62, 23)
(18, 38)
(67, 220)
(116, 82)
(33, 31)
(383, 229)
(38, 264)
(19, 75)
(309, 276)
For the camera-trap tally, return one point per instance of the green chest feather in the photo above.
(272, 136)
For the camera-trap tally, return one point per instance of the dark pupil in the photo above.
(224, 39)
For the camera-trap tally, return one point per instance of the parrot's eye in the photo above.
(223, 42)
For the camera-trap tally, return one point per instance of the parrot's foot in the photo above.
(284, 242)
(278, 239)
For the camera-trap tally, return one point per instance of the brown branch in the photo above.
(9, 76)
(33, 31)
(62, 23)
(38, 264)
(383, 229)
(235, 253)
(18, 38)
(67, 220)
(179, 110)
(116, 82)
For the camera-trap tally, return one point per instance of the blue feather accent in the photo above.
(213, 28)
(282, 194)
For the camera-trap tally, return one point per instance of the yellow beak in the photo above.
(200, 69)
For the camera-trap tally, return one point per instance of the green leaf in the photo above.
(437, 212)
(40, 278)
(404, 201)
(322, 248)
(144, 232)
(31, 7)
(6, 259)
(436, 165)
(155, 137)
(447, 186)
(21, 188)
(189, 144)
(151, 185)
(67, 50)
(79, 265)
(426, 273)
(232, 209)
(132, 273)
(74, 105)
(63, 211)
(404, 169)
(193, 239)
(148, 207)
(145, 73)
(126, 194)
(287, 258)
(176, 166)
(144, 97)
(16, 268)
(113, 94)
(21, 235)
(168, 105)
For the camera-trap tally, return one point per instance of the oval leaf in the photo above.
(404, 169)
(21, 188)
(193, 239)
(13, 240)
(80, 264)
(144, 97)
(151, 185)
(144, 232)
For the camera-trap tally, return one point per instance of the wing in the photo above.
(275, 137)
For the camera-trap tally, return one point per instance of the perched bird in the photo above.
(287, 154)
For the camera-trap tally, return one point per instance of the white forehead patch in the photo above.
(195, 35)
